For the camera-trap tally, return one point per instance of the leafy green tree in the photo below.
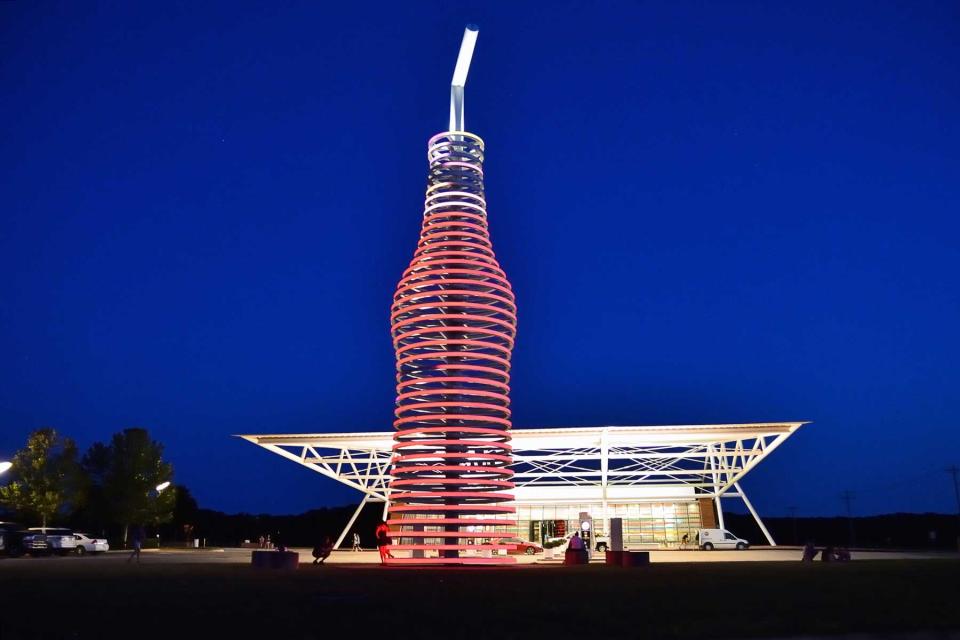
(47, 479)
(96, 513)
(129, 471)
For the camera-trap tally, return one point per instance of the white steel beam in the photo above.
(353, 518)
(706, 459)
(750, 465)
(753, 512)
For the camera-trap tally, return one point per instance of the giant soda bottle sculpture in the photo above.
(453, 323)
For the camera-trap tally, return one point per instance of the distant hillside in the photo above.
(895, 530)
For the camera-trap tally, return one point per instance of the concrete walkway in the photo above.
(172, 555)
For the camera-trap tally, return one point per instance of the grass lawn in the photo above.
(97, 598)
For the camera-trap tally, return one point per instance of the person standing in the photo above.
(577, 545)
(356, 541)
(138, 537)
(382, 534)
(576, 542)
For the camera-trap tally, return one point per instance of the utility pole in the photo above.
(954, 471)
(847, 497)
(793, 518)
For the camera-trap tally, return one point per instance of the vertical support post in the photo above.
(353, 518)
(753, 512)
(604, 467)
(716, 487)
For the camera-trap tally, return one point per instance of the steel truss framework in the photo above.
(597, 465)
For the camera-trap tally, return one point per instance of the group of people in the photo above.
(382, 533)
(827, 554)
(265, 542)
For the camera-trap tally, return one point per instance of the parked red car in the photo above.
(523, 547)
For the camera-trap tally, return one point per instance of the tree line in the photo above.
(113, 485)
(119, 483)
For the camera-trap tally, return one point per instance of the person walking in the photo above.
(356, 541)
(382, 535)
(138, 536)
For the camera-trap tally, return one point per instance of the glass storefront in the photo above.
(655, 523)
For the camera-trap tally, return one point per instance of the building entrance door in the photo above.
(544, 530)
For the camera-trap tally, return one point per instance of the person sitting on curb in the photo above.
(322, 551)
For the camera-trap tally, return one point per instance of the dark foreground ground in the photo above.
(106, 598)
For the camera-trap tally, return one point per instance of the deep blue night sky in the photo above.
(710, 212)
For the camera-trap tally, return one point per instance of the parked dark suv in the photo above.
(11, 540)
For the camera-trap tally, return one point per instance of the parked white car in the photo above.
(59, 540)
(601, 541)
(86, 544)
(710, 539)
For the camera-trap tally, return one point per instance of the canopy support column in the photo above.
(756, 517)
(353, 518)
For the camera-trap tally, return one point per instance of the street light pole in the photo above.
(793, 518)
(847, 497)
(159, 488)
(955, 471)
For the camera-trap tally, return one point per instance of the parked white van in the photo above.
(710, 539)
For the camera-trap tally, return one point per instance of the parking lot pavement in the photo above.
(786, 554)
(173, 555)
(183, 593)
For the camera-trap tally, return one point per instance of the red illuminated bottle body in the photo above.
(453, 322)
